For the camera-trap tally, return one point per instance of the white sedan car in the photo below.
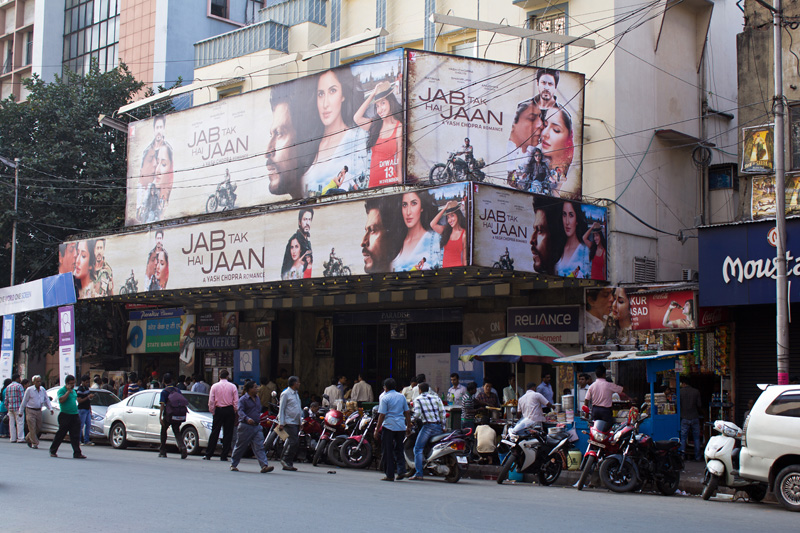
(136, 419)
(100, 402)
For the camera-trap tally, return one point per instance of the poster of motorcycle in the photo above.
(509, 125)
(424, 229)
(542, 234)
(331, 132)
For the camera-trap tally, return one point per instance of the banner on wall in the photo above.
(554, 324)
(187, 344)
(51, 291)
(614, 314)
(336, 131)
(762, 196)
(154, 336)
(246, 365)
(7, 348)
(363, 236)
(534, 233)
(514, 126)
(758, 149)
(66, 343)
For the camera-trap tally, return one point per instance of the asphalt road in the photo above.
(135, 490)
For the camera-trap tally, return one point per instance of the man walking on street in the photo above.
(690, 418)
(428, 408)
(249, 431)
(173, 408)
(394, 422)
(223, 402)
(14, 393)
(32, 402)
(290, 415)
(85, 409)
(68, 420)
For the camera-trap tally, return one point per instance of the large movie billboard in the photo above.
(335, 131)
(509, 125)
(419, 230)
(535, 233)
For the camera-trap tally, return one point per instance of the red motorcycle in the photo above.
(601, 444)
(357, 450)
(307, 438)
(332, 426)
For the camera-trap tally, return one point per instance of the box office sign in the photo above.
(556, 325)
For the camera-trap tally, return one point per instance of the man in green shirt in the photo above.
(68, 419)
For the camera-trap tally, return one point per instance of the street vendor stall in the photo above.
(664, 422)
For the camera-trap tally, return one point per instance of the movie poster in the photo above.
(533, 233)
(418, 230)
(323, 343)
(336, 131)
(762, 200)
(759, 149)
(509, 125)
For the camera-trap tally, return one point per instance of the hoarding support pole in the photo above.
(782, 296)
(14, 225)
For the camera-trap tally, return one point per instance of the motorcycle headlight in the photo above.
(599, 436)
(207, 425)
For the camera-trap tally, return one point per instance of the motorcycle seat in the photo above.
(666, 444)
(552, 441)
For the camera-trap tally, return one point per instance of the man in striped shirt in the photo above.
(428, 409)
(14, 394)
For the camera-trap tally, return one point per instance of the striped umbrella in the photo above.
(513, 349)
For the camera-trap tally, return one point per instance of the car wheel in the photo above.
(118, 436)
(787, 487)
(191, 440)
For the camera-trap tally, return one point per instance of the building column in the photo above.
(380, 22)
(336, 29)
(430, 28)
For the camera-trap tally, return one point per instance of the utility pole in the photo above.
(782, 296)
(15, 165)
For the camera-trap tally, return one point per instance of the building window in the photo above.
(91, 31)
(28, 59)
(544, 53)
(465, 48)
(219, 8)
(228, 92)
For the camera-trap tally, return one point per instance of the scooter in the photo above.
(532, 450)
(440, 454)
(722, 463)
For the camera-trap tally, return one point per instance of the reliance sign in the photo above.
(738, 265)
(556, 325)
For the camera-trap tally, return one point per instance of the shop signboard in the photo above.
(7, 348)
(758, 149)
(320, 134)
(154, 336)
(762, 196)
(613, 315)
(524, 124)
(534, 233)
(217, 342)
(738, 262)
(396, 316)
(553, 324)
(150, 314)
(712, 316)
(339, 239)
(246, 366)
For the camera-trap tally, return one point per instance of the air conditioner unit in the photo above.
(689, 274)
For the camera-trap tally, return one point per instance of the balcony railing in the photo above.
(267, 35)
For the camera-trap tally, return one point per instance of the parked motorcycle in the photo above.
(600, 446)
(532, 450)
(334, 453)
(440, 454)
(357, 451)
(456, 169)
(722, 463)
(333, 425)
(642, 460)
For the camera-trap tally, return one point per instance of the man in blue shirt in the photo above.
(545, 389)
(249, 431)
(394, 421)
(290, 416)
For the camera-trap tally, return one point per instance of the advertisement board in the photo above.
(534, 233)
(614, 314)
(7, 348)
(420, 230)
(553, 324)
(510, 125)
(762, 197)
(51, 291)
(758, 149)
(66, 343)
(335, 131)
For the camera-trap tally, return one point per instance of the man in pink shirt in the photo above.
(599, 396)
(223, 403)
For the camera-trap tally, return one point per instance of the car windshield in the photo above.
(198, 402)
(104, 398)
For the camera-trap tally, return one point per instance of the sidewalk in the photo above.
(691, 477)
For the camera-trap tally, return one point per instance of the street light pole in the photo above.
(782, 296)
(14, 224)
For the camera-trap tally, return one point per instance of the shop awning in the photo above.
(608, 357)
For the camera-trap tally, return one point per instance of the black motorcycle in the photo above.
(335, 267)
(457, 169)
(131, 286)
(224, 198)
(642, 461)
(533, 450)
(506, 262)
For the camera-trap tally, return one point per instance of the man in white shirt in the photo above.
(512, 392)
(408, 389)
(333, 392)
(415, 391)
(584, 380)
(456, 391)
(531, 404)
(33, 400)
(361, 392)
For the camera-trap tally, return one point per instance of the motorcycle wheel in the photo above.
(346, 271)
(123, 290)
(454, 471)
(211, 204)
(550, 472)
(335, 451)
(756, 492)
(439, 174)
(354, 457)
(616, 476)
(668, 486)
(319, 452)
(710, 486)
(587, 471)
(508, 463)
